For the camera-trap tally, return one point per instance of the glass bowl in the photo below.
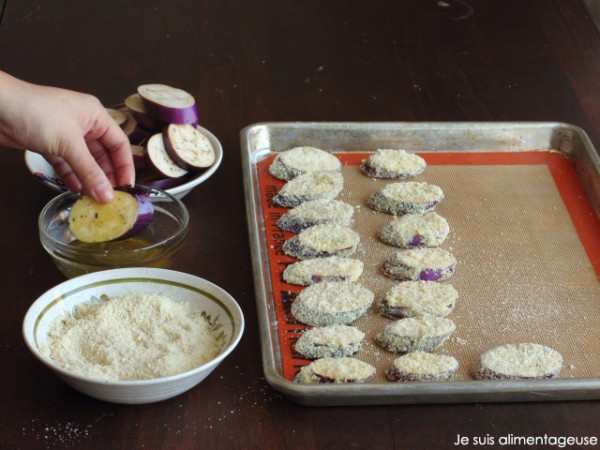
(156, 246)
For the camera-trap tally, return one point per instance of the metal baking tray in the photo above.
(262, 141)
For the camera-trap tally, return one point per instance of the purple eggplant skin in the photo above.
(429, 274)
(436, 274)
(368, 170)
(320, 278)
(145, 209)
(136, 107)
(180, 116)
(371, 171)
(292, 247)
(416, 241)
(487, 374)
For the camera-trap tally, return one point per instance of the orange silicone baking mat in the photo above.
(527, 241)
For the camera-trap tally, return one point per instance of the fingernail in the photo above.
(104, 192)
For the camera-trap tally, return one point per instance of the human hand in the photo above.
(73, 131)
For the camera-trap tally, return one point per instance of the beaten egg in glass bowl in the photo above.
(156, 245)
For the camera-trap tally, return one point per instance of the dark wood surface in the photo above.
(276, 60)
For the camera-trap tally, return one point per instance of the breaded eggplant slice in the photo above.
(309, 186)
(316, 212)
(296, 161)
(331, 268)
(335, 370)
(332, 303)
(422, 366)
(416, 230)
(393, 164)
(427, 264)
(321, 241)
(418, 298)
(333, 341)
(415, 334)
(406, 197)
(522, 361)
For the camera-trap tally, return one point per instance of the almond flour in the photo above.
(299, 160)
(392, 163)
(310, 186)
(335, 370)
(406, 197)
(422, 366)
(132, 337)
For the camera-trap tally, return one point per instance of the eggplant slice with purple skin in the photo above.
(422, 263)
(296, 161)
(332, 303)
(334, 341)
(138, 110)
(335, 370)
(416, 230)
(169, 104)
(310, 186)
(406, 197)
(521, 361)
(317, 270)
(393, 164)
(322, 241)
(129, 213)
(188, 147)
(415, 334)
(159, 161)
(418, 298)
(423, 367)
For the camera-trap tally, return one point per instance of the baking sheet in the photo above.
(525, 231)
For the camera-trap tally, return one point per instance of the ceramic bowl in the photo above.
(217, 306)
(44, 172)
(156, 246)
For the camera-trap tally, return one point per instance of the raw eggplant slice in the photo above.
(169, 104)
(188, 147)
(138, 110)
(118, 116)
(159, 160)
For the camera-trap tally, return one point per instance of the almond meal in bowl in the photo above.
(133, 335)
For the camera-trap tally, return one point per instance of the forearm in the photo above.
(11, 89)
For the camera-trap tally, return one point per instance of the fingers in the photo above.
(82, 166)
(100, 161)
(64, 172)
(118, 150)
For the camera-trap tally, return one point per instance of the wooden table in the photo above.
(277, 60)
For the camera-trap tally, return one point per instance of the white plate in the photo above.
(44, 172)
